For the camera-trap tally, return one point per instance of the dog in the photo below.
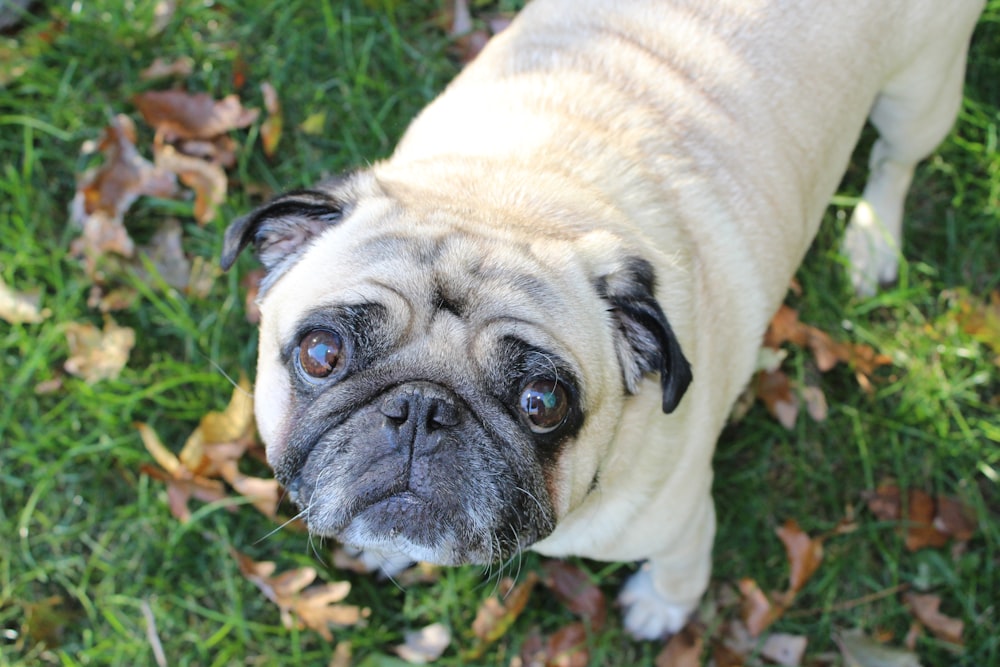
(526, 328)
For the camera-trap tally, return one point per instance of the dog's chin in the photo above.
(404, 525)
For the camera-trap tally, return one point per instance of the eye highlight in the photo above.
(544, 405)
(321, 353)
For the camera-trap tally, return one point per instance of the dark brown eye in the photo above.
(321, 353)
(544, 404)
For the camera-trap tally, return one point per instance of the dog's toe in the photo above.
(872, 255)
(649, 615)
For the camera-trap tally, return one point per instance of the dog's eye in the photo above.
(544, 405)
(321, 353)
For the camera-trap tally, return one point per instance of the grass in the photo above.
(88, 543)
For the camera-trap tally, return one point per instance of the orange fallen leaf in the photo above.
(804, 554)
(926, 610)
(176, 114)
(270, 129)
(96, 354)
(301, 605)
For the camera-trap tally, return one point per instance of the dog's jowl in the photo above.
(526, 328)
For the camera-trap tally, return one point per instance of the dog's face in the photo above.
(437, 385)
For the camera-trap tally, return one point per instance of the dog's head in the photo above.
(440, 382)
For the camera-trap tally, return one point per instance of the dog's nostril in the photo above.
(443, 415)
(397, 408)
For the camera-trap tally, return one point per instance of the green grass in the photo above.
(87, 542)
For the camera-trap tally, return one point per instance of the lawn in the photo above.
(94, 568)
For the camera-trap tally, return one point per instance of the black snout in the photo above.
(416, 413)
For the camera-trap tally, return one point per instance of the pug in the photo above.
(526, 328)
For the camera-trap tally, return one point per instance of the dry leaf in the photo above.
(683, 650)
(804, 554)
(575, 589)
(758, 611)
(161, 68)
(567, 647)
(497, 613)
(20, 308)
(96, 354)
(104, 194)
(861, 651)
(426, 645)
(270, 129)
(925, 609)
(775, 390)
(930, 522)
(313, 607)
(166, 253)
(176, 114)
(182, 484)
(207, 179)
(784, 649)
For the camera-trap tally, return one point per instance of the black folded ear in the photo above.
(282, 228)
(644, 341)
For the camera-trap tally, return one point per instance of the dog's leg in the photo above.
(659, 598)
(913, 113)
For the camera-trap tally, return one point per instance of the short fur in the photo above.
(612, 197)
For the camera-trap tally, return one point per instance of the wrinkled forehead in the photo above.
(430, 270)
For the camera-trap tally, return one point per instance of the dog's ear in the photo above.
(644, 341)
(283, 227)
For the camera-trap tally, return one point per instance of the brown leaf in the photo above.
(758, 611)
(270, 129)
(955, 519)
(804, 554)
(104, 194)
(567, 647)
(182, 488)
(161, 68)
(930, 522)
(20, 308)
(176, 114)
(921, 531)
(207, 179)
(575, 589)
(166, 253)
(124, 176)
(861, 651)
(785, 327)
(775, 391)
(314, 607)
(425, 645)
(884, 502)
(925, 609)
(497, 613)
(683, 650)
(784, 649)
(96, 354)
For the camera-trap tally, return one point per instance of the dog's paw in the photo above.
(872, 253)
(649, 615)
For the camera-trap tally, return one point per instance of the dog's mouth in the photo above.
(399, 481)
